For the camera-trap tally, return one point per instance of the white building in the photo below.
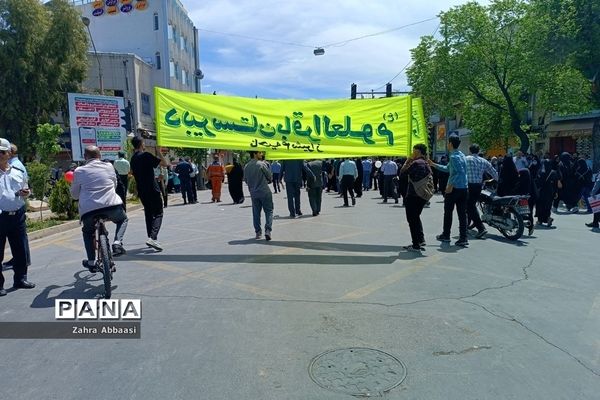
(159, 32)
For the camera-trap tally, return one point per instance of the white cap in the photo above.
(4, 144)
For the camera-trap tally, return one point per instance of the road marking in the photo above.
(390, 279)
(205, 276)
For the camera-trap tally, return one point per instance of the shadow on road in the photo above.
(325, 259)
(327, 246)
(86, 286)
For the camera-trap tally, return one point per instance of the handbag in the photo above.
(424, 187)
(595, 203)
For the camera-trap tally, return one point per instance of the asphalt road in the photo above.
(228, 317)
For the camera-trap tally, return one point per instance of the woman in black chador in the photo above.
(235, 177)
(546, 183)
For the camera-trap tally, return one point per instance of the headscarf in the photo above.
(508, 177)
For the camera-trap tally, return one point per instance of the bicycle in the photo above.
(104, 259)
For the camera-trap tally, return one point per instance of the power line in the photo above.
(344, 42)
(407, 64)
(338, 44)
(256, 38)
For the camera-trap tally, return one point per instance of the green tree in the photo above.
(570, 35)
(46, 149)
(42, 57)
(486, 63)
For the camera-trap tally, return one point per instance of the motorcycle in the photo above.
(509, 214)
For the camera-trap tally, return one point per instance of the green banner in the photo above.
(289, 129)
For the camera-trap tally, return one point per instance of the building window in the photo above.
(145, 104)
(175, 35)
(177, 71)
(170, 31)
(157, 54)
(172, 69)
(182, 43)
(155, 21)
(184, 77)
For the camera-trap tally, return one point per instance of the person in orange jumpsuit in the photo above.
(216, 176)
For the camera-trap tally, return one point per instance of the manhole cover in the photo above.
(357, 371)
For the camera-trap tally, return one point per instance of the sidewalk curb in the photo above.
(67, 226)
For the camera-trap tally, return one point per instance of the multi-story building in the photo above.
(160, 32)
(125, 75)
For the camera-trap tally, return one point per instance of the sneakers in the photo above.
(353, 201)
(268, 236)
(413, 248)
(574, 210)
(117, 249)
(258, 235)
(155, 244)
(422, 245)
(481, 234)
(550, 220)
(462, 243)
(443, 238)
(590, 225)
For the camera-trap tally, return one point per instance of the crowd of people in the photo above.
(101, 189)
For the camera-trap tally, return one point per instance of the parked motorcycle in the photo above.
(509, 214)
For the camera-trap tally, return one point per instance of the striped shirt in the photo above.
(477, 166)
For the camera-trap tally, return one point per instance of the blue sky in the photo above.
(237, 66)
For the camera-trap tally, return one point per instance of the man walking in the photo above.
(390, 171)
(456, 192)
(258, 176)
(476, 168)
(142, 167)
(13, 191)
(314, 186)
(276, 171)
(292, 175)
(367, 166)
(184, 170)
(123, 169)
(348, 174)
(193, 179)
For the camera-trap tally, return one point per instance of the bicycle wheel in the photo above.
(105, 259)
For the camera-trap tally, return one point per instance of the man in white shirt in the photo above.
(390, 171)
(13, 191)
(348, 174)
(94, 185)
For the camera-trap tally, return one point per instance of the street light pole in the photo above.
(86, 22)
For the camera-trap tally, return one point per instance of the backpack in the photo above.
(424, 187)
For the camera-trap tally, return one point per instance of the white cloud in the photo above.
(251, 67)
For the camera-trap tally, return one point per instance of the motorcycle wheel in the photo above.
(517, 232)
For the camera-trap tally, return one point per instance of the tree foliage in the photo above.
(42, 57)
(60, 201)
(487, 63)
(46, 146)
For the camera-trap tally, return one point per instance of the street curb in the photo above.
(67, 226)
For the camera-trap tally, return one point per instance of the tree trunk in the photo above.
(516, 126)
(596, 145)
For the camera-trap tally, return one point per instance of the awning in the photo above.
(570, 128)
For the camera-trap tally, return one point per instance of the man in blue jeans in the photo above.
(456, 192)
(257, 175)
